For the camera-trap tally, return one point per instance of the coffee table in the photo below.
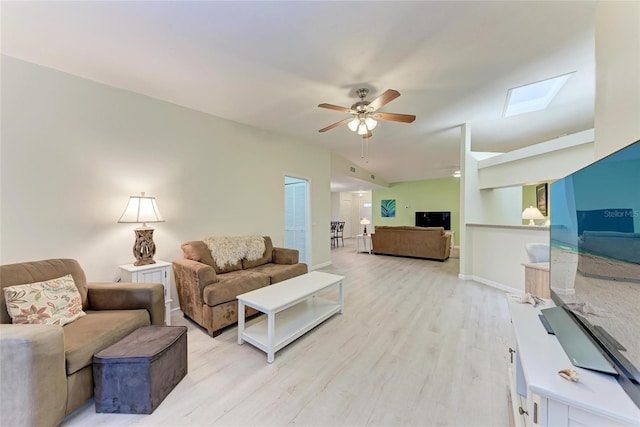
(292, 308)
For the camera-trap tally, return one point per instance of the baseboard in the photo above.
(319, 266)
(491, 283)
(562, 291)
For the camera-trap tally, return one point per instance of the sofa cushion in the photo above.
(51, 302)
(233, 284)
(96, 331)
(279, 272)
(197, 250)
(267, 256)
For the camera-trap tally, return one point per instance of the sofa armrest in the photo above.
(447, 246)
(191, 279)
(33, 390)
(128, 296)
(285, 256)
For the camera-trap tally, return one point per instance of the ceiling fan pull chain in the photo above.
(365, 147)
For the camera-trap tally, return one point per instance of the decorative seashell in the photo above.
(569, 374)
(527, 298)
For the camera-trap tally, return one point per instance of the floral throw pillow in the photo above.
(52, 302)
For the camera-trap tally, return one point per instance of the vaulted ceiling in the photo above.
(269, 64)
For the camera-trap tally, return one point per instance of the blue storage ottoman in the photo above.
(134, 375)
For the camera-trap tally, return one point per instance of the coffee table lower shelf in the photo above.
(290, 324)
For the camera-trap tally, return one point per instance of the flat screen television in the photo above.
(595, 264)
(434, 219)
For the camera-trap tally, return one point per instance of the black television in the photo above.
(595, 265)
(434, 219)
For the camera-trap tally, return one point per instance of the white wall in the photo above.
(74, 150)
(617, 112)
(498, 254)
(542, 162)
(335, 206)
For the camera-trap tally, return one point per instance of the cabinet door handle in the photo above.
(511, 351)
(522, 411)
(535, 412)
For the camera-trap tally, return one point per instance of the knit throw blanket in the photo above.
(229, 250)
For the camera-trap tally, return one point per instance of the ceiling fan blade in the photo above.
(335, 107)
(388, 96)
(393, 117)
(335, 125)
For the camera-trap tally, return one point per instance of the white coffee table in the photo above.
(292, 309)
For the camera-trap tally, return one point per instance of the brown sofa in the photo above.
(207, 293)
(419, 242)
(47, 369)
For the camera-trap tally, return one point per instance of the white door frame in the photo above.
(307, 228)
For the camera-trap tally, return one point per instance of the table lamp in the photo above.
(142, 209)
(531, 214)
(364, 221)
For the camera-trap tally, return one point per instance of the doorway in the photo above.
(296, 216)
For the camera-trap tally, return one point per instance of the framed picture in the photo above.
(541, 198)
(388, 208)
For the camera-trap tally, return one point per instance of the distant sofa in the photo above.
(207, 291)
(47, 370)
(418, 242)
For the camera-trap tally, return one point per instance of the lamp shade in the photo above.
(532, 214)
(141, 209)
(362, 128)
(353, 124)
(371, 124)
(365, 221)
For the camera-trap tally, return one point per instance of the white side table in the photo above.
(366, 242)
(160, 272)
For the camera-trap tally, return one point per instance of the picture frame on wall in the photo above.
(541, 198)
(388, 208)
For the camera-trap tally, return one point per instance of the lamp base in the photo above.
(532, 222)
(144, 249)
(365, 230)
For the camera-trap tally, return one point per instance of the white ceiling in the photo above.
(269, 64)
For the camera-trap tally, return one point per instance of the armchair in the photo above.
(47, 369)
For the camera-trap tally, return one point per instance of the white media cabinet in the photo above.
(540, 397)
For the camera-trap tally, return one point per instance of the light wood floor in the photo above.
(415, 346)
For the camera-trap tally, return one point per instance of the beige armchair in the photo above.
(46, 370)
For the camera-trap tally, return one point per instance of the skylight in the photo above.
(535, 96)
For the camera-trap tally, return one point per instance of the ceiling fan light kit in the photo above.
(364, 116)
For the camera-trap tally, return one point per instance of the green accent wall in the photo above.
(529, 199)
(442, 194)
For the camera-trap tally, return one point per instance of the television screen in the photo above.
(434, 219)
(595, 250)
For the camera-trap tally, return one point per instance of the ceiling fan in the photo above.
(365, 113)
